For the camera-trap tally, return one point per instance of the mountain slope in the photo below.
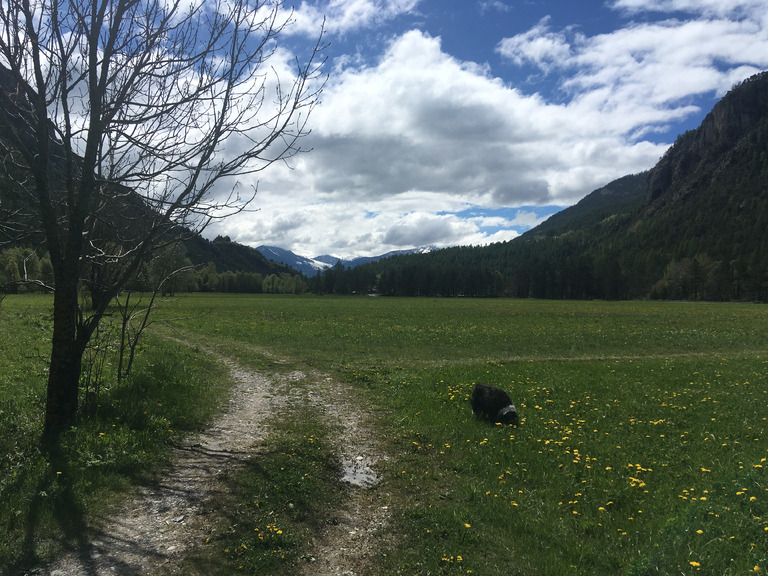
(231, 256)
(123, 217)
(620, 198)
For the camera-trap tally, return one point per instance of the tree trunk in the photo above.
(66, 361)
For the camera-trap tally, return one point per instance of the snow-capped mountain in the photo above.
(313, 266)
(307, 266)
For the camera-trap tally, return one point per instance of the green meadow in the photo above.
(641, 449)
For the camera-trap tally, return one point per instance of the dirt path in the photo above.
(354, 534)
(160, 524)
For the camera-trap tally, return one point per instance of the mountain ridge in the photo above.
(693, 226)
(312, 266)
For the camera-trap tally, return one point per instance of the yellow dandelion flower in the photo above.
(694, 564)
(466, 525)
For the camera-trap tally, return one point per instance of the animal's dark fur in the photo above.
(493, 404)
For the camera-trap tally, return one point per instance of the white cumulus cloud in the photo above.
(539, 46)
(343, 16)
(406, 143)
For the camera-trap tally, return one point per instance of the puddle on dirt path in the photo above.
(358, 472)
(162, 523)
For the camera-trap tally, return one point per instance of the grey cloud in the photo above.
(420, 232)
(286, 223)
(522, 191)
(464, 122)
(375, 168)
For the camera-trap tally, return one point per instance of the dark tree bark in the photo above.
(65, 366)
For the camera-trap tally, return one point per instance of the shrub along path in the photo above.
(162, 524)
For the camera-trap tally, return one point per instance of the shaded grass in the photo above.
(121, 437)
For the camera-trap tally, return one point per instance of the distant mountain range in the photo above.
(313, 266)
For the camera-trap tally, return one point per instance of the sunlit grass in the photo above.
(639, 451)
(612, 465)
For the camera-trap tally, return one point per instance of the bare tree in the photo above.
(122, 122)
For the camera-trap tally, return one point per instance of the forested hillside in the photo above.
(693, 227)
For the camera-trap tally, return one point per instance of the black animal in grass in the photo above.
(493, 404)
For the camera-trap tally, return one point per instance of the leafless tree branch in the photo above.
(127, 123)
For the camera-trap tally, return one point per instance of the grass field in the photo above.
(641, 448)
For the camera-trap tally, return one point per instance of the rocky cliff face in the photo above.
(734, 117)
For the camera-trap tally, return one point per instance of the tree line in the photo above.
(563, 272)
(554, 269)
(24, 269)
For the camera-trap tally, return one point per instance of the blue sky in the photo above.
(464, 122)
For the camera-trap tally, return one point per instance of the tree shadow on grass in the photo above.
(54, 501)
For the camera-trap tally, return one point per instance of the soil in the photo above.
(162, 523)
